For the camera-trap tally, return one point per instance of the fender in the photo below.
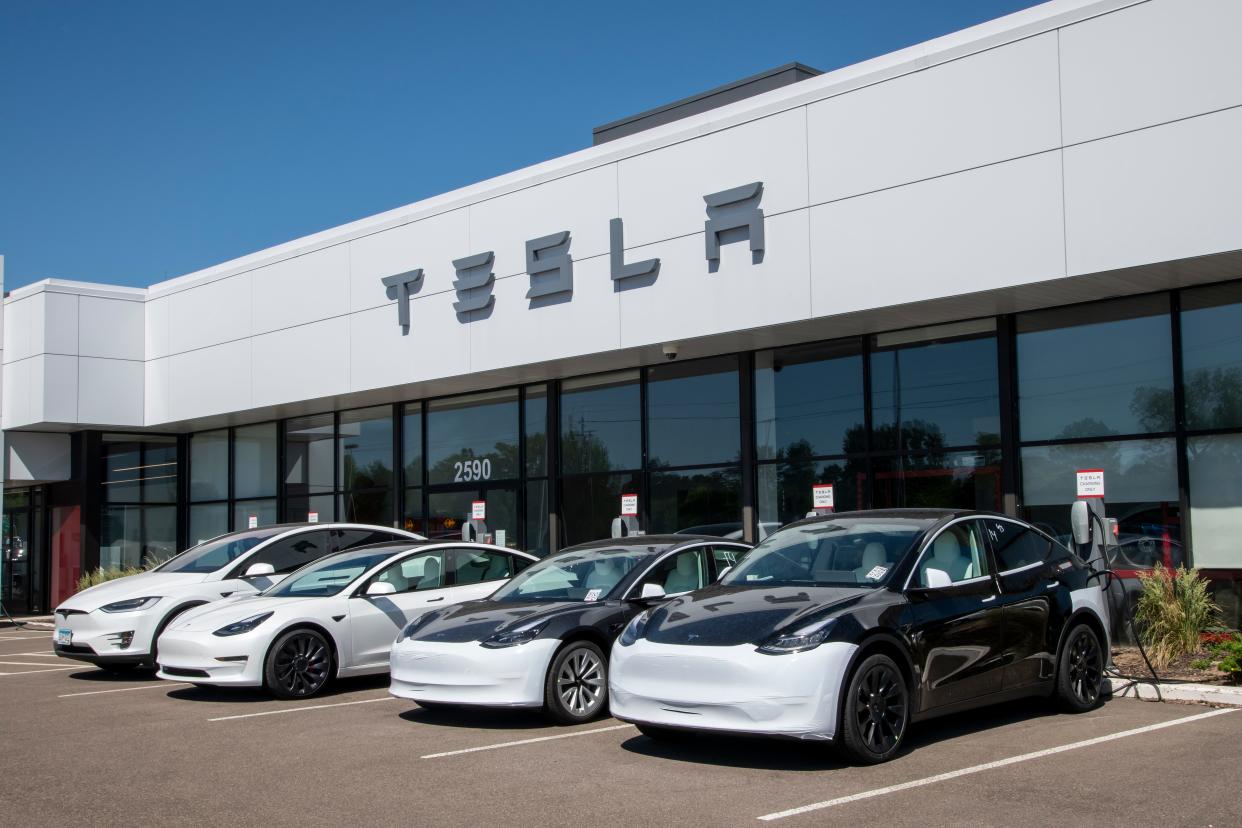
(1088, 614)
(865, 647)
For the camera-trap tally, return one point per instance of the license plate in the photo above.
(64, 637)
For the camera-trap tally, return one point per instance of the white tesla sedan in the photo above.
(338, 616)
(115, 625)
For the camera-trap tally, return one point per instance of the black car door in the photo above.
(1028, 591)
(956, 634)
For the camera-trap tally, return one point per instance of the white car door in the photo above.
(418, 582)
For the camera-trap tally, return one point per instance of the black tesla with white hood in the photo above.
(849, 627)
(542, 640)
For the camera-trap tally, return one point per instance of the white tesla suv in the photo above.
(337, 616)
(115, 625)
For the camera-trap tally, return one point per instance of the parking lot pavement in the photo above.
(81, 746)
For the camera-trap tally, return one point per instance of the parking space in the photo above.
(82, 745)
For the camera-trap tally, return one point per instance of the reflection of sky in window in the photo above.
(815, 402)
(693, 420)
(607, 417)
(1091, 372)
(951, 385)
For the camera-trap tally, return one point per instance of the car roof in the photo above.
(928, 514)
(661, 541)
(406, 544)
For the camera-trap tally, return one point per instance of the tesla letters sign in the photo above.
(733, 215)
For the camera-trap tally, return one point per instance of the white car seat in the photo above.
(873, 555)
(948, 558)
(685, 575)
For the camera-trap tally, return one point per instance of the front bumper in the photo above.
(97, 636)
(204, 658)
(469, 673)
(730, 689)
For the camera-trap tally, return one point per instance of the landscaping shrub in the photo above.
(98, 576)
(1172, 610)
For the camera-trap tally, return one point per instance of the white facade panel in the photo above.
(978, 230)
(516, 334)
(431, 244)
(301, 363)
(437, 345)
(1149, 64)
(689, 300)
(57, 376)
(19, 396)
(993, 106)
(156, 312)
(208, 381)
(1155, 195)
(56, 329)
(19, 319)
(582, 203)
(300, 290)
(209, 314)
(156, 388)
(32, 456)
(111, 328)
(110, 391)
(661, 193)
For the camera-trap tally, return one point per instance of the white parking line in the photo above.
(40, 655)
(524, 742)
(297, 709)
(1012, 760)
(44, 670)
(22, 637)
(23, 663)
(157, 686)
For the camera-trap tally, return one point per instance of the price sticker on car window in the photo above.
(876, 573)
(592, 595)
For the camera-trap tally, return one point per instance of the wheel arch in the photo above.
(1084, 615)
(583, 634)
(307, 625)
(877, 642)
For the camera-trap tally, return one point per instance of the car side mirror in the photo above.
(723, 573)
(652, 592)
(381, 588)
(936, 579)
(1080, 522)
(257, 569)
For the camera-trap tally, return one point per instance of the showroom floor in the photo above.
(78, 746)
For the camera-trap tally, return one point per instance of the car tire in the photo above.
(298, 664)
(1080, 671)
(576, 687)
(876, 711)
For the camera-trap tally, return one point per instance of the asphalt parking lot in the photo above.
(80, 747)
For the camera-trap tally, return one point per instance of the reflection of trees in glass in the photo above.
(503, 457)
(374, 474)
(680, 500)
(1213, 400)
(582, 450)
(1086, 427)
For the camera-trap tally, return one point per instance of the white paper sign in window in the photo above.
(821, 496)
(478, 510)
(1090, 482)
(629, 505)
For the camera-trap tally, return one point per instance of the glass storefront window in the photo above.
(537, 508)
(139, 468)
(784, 490)
(308, 456)
(950, 480)
(693, 413)
(589, 503)
(412, 443)
(935, 394)
(473, 438)
(809, 401)
(536, 416)
(1216, 500)
(254, 461)
(700, 501)
(209, 465)
(133, 536)
(251, 514)
(365, 447)
(1212, 358)
(412, 519)
(207, 520)
(1140, 484)
(601, 423)
(1096, 370)
(447, 511)
(303, 509)
(373, 507)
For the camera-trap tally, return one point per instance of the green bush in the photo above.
(1172, 610)
(100, 575)
(1230, 655)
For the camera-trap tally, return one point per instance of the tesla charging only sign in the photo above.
(478, 510)
(821, 496)
(629, 505)
(1090, 482)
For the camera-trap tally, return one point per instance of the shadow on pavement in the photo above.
(336, 691)
(102, 676)
(483, 718)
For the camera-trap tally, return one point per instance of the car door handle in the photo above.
(433, 600)
(988, 600)
(1052, 585)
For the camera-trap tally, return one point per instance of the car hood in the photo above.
(217, 614)
(480, 620)
(726, 616)
(142, 585)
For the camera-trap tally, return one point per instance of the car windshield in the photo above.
(217, 553)
(841, 552)
(589, 575)
(330, 575)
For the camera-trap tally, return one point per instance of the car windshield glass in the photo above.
(216, 553)
(842, 552)
(330, 575)
(589, 575)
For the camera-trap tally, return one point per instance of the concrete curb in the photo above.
(1198, 693)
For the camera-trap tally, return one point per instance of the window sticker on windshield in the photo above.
(592, 595)
(876, 573)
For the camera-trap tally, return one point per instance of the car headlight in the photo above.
(243, 626)
(517, 635)
(804, 638)
(131, 604)
(635, 629)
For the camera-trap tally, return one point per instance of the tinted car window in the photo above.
(473, 566)
(586, 575)
(349, 538)
(1016, 546)
(724, 557)
(682, 572)
(214, 554)
(328, 576)
(956, 554)
(838, 552)
(415, 573)
(290, 553)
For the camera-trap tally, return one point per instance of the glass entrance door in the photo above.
(21, 572)
(448, 509)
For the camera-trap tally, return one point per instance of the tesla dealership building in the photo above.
(949, 276)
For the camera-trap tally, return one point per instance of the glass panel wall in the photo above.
(309, 472)
(601, 423)
(693, 414)
(412, 467)
(138, 520)
(364, 465)
(473, 438)
(535, 445)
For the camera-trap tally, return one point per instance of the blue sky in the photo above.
(140, 141)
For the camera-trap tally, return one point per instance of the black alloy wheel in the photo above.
(576, 688)
(298, 665)
(877, 711)
(1080, 678)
